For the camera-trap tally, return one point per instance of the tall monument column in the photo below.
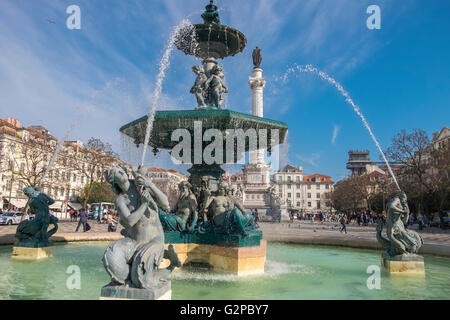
(257, 83)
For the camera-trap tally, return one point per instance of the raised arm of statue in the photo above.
(129, 219)
(160, 198)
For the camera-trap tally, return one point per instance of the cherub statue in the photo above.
(216, 87)
(199, 86)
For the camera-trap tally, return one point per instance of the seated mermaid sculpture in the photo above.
(184, 218)
(400, 241)
(226, 214)
(33, 233)
(134, 260)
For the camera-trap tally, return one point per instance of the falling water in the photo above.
(340, 88)
(178, 35)
(284, 151)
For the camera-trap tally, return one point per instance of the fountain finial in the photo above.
(211, 15)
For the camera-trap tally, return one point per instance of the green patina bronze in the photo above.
(213, 39)
(168, 121)
(401, 244)
(34, 233)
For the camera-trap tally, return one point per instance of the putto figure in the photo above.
(199, 86)
(34, 233)
(216, 87)
(134, 260)
(400, 241)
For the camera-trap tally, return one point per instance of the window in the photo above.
(318, 204)
(289, 186)
(297, 179)
(309, 187)
(309, 204)
(280, 179)
(22, 167)
(318, 186)
(289, 178)
(74, 178)
(289, 195)
(298, 204)
(281, 195)
(318, 195)
(327, 186)
(309, 195)
(298, 194)
(298, 186)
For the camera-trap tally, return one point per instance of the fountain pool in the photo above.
(292, 272)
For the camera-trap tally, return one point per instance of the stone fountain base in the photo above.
(240, 261)
(27, 253)
(411, 264)
(163, 291)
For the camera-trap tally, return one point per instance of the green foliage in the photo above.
(100, 192)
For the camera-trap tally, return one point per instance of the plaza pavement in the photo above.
(436, 241)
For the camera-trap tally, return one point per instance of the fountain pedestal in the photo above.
(162, 291)
(407, 264)
(27, 253)
(239, 261)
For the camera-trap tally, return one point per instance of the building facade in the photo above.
(25, 154)
(301, 192)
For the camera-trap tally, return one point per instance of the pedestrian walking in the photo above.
(343, 227)
(71, 212)
(83, 220)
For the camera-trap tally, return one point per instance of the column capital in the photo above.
(257, 83)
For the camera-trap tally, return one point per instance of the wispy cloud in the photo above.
(335, 133)
(312, 159)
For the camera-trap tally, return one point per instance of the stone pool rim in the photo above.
(427, 249)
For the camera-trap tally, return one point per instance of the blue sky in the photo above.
(103, 75)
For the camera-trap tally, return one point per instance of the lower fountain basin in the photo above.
(291, 272)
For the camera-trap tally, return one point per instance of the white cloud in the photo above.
(312, 159)
(335, 133)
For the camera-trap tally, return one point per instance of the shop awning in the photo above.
(56, 205)
(75, 205)
(19, 203)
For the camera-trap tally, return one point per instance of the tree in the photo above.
(29, 160)
(425, 170)
(98, 192)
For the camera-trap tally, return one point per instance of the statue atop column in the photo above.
(257, 59)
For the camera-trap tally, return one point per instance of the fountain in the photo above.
(215, 229)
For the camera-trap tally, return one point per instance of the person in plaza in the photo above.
(83, 220)
(71, 212)
(343, 227)
(112, 222)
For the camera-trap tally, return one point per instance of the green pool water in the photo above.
(292, 272)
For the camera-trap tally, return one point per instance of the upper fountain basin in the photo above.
(166, 122)
(214, 41)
